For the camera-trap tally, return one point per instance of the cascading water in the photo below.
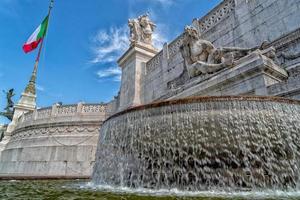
(202, 143)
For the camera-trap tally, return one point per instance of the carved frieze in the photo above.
(55, 130)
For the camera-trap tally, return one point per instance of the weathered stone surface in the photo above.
(54, 142)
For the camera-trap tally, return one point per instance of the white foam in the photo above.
(175, 192)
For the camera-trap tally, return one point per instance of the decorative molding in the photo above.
(55, 130)
(284, 41)
(215, 16)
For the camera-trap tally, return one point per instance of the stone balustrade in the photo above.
(64, 113)
(215, 16)
(156, 61)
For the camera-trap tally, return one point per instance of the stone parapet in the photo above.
(65, 113)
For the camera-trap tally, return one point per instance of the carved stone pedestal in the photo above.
(26, 103)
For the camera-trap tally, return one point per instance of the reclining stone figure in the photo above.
(202, 57)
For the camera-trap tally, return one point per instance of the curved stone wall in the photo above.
(202, 143)
(59, 141)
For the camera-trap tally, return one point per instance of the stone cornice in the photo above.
(285, 40)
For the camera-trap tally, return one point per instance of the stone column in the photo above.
(133, 64)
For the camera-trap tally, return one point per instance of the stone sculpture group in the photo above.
(141, 29)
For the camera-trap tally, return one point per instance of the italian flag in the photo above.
(36, 37)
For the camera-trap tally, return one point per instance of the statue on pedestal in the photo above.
(141, 30)
(9, 109)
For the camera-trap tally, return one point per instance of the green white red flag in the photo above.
(37, 36)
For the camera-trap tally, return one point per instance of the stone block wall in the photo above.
(247, 23)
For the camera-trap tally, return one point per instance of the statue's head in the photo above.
(144, 20)
(191, 32)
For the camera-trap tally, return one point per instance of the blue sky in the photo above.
(84, 40)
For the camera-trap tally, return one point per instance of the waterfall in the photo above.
(202, 143)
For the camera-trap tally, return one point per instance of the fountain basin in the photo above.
(202, 143)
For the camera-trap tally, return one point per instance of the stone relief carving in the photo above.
(202, 57)
(52, 130)
(141, 29)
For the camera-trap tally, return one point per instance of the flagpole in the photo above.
(30, 88)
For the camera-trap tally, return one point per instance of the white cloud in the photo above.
(112, 73)
(39, 88)
(158, 37)
(108, 45)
